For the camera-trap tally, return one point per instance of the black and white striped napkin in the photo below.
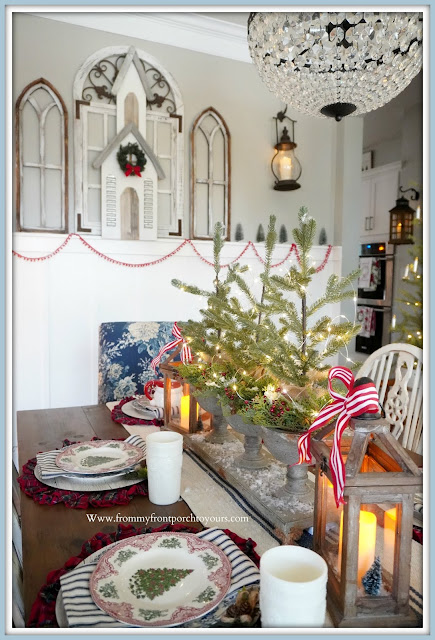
(81, 610)
(47, 460)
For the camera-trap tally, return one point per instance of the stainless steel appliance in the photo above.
(378, 298)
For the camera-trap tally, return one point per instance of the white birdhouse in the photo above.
(129, 190)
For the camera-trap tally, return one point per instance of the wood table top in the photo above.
(52, 534)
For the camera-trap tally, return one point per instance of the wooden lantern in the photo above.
(375, 522)
(184, 420)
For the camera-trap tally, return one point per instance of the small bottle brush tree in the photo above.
(296, 348)
(239, 233)
(410, 327)
(372, 579)
(283, 235)
(260, 234)
(322, 237)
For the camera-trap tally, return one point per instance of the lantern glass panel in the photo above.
(376, 539)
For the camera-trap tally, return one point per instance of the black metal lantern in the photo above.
(401, 218)
(285, 166)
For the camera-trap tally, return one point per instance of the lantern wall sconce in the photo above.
(402, 217)
(366, 542)
(285, 166)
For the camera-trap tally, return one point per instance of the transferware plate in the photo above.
(100, 456)
(160, 579)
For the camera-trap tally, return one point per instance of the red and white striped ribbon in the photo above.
(358, 400)
(186, 353)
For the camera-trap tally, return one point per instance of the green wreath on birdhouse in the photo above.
(125, 159)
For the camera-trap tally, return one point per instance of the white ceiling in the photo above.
(235, 17)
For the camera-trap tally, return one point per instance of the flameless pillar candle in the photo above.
(292, 588)
(366, 544)
(390, 518)
(185, 412)
(164, 462)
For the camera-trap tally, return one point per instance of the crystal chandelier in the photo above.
(336, 64)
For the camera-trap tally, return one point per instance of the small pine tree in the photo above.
(410, 327)
(202, 334)
(218, 334)
(260, 234)
(292, 347)
(239, 233)
(322, 236)
(283, 236)
(372, 579)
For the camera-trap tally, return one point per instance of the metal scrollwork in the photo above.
(160, 89)
(101, 78)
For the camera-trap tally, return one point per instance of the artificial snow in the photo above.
(264, 483)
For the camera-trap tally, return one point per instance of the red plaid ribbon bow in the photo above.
(129, 169)
(186, 353)
(358, 400)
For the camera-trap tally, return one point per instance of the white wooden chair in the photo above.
(403, 401)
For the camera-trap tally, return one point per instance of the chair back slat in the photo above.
(396, 370)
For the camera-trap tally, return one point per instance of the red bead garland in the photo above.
(169, 255)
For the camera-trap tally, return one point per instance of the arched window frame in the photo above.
(24, 97)
(92, 104)
(221, 125)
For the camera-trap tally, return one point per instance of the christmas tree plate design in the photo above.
(160, 579)
(99, 456)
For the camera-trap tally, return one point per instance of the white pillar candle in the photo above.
(405, 275)
(164, 461)
(292, 588)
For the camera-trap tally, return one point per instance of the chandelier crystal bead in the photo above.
(336, 64)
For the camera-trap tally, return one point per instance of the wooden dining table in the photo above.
(51, 534)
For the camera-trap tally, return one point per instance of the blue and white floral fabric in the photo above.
(126, 350)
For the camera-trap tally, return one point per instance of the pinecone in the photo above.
(245, 608)
(232, 611)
